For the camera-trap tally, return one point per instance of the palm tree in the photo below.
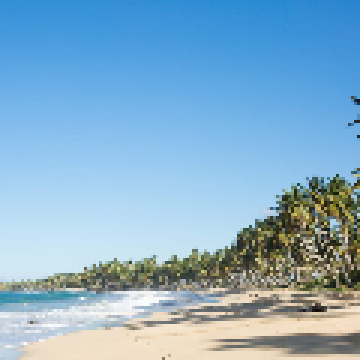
(298, 219)
(304, 214)
(339, 204)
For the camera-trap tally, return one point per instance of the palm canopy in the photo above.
(301, 234)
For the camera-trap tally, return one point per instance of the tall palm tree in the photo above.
(339, 204)
(298, 219)
(334, 201)
(305, 213)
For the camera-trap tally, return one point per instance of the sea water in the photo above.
(27, 317)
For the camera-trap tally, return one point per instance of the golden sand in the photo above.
(243, 325)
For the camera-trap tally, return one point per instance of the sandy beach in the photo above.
(245, 324)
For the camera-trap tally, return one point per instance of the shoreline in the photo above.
(243, 323)
(190, 287)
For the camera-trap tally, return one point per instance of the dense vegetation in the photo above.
(282, 250)
(295, 248)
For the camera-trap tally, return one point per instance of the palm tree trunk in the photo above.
(344, 235)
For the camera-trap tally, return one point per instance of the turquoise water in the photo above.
(36, 316)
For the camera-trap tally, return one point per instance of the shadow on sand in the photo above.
(267, 308)
(298, 344)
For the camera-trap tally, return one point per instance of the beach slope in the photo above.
(243, 325)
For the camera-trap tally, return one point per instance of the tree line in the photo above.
(298, 247)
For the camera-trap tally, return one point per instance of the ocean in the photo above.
(27, 317)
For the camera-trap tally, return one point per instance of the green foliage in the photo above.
(297, 242)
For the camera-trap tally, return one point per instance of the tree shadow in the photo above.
(259, 306)
(297, 344)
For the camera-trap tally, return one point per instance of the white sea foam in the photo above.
(41, 320)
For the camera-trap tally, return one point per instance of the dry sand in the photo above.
(244, 325)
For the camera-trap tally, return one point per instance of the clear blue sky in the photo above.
(151, 129)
